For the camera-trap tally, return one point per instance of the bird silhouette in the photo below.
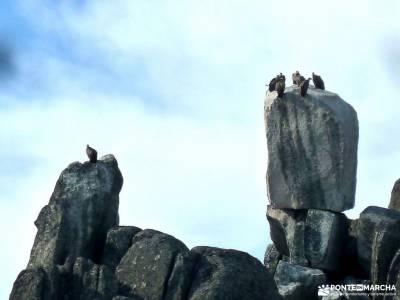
(91, 153)
(318, 82)
(304, 87)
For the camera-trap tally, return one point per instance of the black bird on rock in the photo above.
(280, 87)
(304, 87)
(271, 85)
(91, 153)
(297, 78)
(301, 80)
(318, 82)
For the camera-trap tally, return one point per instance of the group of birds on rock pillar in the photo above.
(278, 83)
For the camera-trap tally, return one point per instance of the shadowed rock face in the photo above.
(145, 268)
(378, 239)
(229, 274)
(297, 282)
(311, 237)
(287, 232)
(312, 150)
(324, 239)
(29, 285)
(92, 281)
(119, 240)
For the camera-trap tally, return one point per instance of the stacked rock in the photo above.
(311, 179)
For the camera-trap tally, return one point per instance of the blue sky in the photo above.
(174, 89)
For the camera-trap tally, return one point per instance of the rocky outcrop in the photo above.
(158, 266)
(72, 230)
(311, 176)
(145, 268)
(213, 273)
(229, 274)
(312, 150)
(119, 240)
(82, 208)
(378, 240)
(80, 252)
(29, 284)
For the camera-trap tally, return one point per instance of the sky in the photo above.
(175, 90)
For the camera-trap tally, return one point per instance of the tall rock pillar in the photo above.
(311, 179)
(72, 232)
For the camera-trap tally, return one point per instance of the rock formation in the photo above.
(81, 252)
(82, 208)
(311, 178)
(312, 150)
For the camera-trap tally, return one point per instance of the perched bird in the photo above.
(304, 87)
(271, 85)
(318, 82)
(91, 153)
(277, 82)
(301, 80)
(295, 77)
(280, 87)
